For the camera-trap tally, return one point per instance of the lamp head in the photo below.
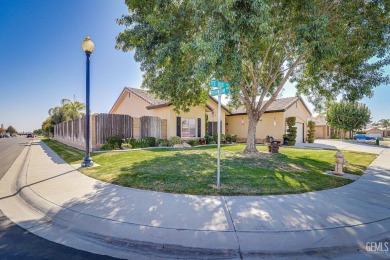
(88, 45)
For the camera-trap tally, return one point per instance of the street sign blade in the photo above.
(214, 92)
(214, 83)
(218, 84)
(226, 90)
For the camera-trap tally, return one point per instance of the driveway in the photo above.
(347, 145)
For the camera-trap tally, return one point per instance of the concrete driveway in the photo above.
(348, 145)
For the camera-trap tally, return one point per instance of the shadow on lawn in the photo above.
(194, 173)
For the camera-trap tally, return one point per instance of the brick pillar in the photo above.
(136, 128)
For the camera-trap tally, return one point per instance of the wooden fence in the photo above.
(108, 125)
(104, 126)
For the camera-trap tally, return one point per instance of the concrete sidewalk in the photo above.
(46, 196)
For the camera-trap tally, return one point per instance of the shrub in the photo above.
(361, 132)
(113, 143)
(234, 138)
(213, 142)
(334, 136)
(228, 138)
(129, 140)
(202, 141)
(137, 143)
(126, 146)
(140, 144)
(223, 138)
(115, 140)
(311, 131)
(151, 141)
(174, 140)
(106, 146)
(163, 142)
(193, 142)
(291, 131)
(208, 138)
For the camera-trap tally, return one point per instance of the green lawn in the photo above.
(193, 171)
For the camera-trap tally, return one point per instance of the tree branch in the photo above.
(281, 85)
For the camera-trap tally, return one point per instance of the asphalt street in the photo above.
(17, 243)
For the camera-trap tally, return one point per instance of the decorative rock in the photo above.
(178, 146)
(186, 145)
(340, 161)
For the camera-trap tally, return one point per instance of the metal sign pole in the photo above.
(219, 87)
(219, 139)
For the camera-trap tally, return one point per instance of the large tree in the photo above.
(348, 116)
(73, 109)
(68, 110)
(325, 47)
(385, 123)
(11, 130)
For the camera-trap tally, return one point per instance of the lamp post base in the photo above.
(87, 162)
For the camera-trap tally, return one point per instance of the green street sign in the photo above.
(214, 92)
(218, 84)
(225, 90)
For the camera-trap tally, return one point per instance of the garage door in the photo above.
(299, 127)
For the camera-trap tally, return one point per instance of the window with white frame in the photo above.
(188, 128)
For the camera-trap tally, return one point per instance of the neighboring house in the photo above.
(325, 131)
(322, 129)
(377, 131)
(273, 121)
(188, 125)
(191, 125)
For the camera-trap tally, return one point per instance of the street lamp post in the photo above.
(88, 48)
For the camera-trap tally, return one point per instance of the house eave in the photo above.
(266, 112)
(158, 106)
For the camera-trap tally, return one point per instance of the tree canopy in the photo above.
(11, 130)
(348, 116)
(38, 132)
(385, 123)
(326, 47)
(68, 110)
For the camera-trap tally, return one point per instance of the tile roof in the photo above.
(156, 102)
(376, 128)
(148, 97)
(320, 121)
(280, 104)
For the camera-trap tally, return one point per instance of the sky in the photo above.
(41, 60)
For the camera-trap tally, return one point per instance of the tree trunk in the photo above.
(251, 137)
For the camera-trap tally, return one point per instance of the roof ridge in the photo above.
(135, 91)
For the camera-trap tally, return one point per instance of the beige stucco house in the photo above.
(273, 121)
(190, 125)
(325, 131)
(377, 131)
(322, 129)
